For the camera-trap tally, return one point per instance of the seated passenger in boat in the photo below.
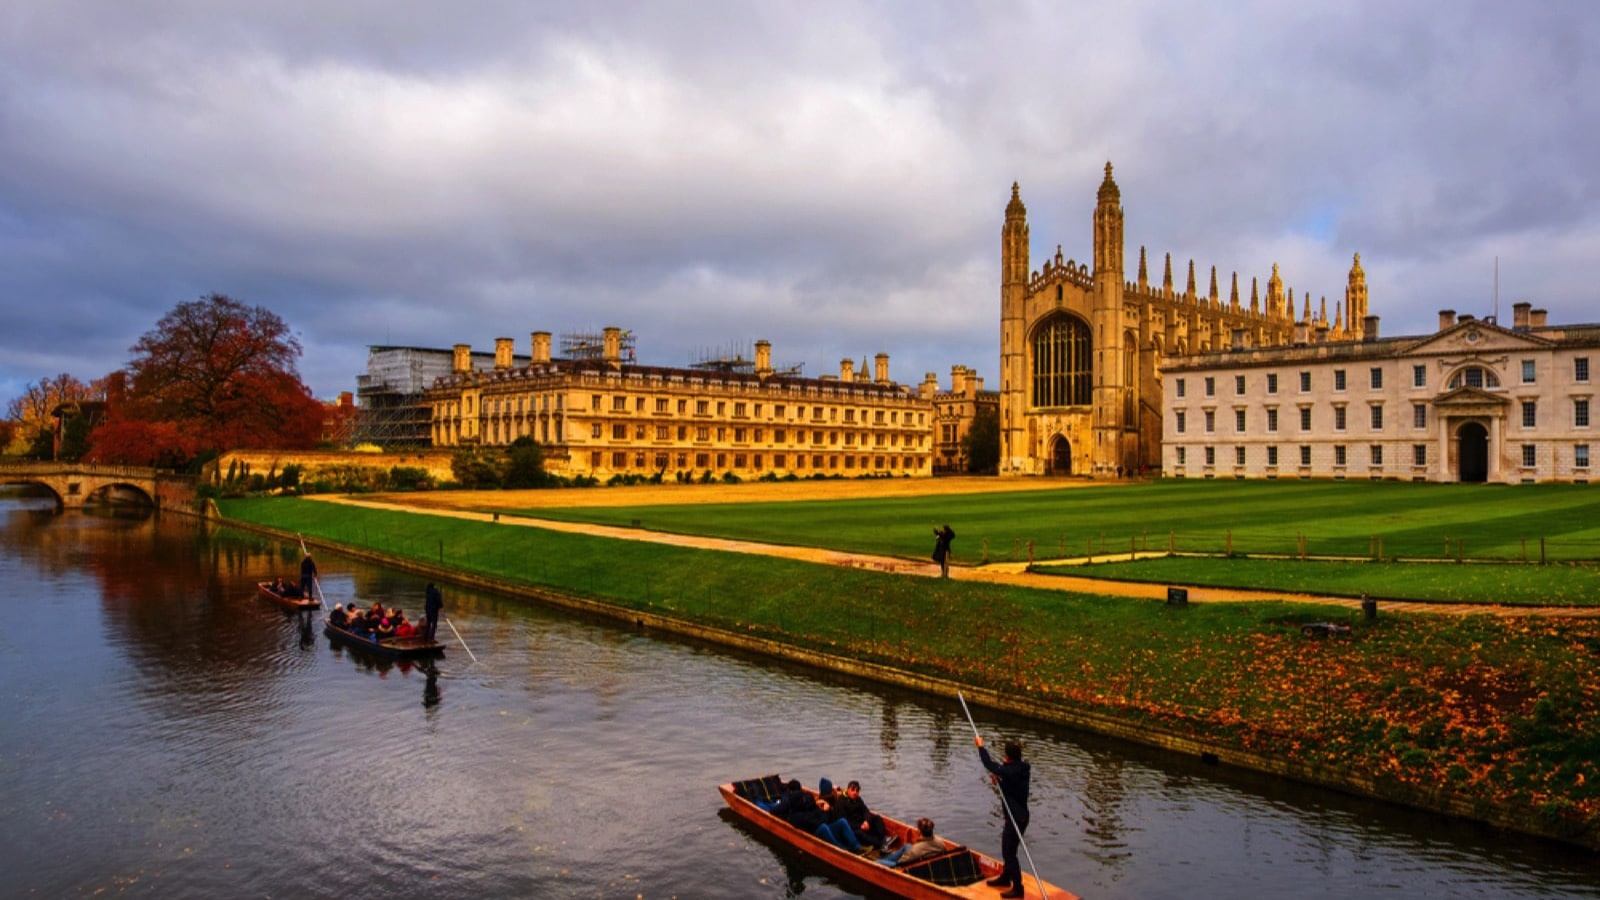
(924, 846)
(836, 829)
(402, 626)
(384, 629)
(868, 825)
(338, 618)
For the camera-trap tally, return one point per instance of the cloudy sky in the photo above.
(829, 176)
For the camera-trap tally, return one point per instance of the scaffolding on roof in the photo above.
(589, 345)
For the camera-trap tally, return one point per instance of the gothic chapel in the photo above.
(1081, 347)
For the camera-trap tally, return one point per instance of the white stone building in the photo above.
(1473, 402)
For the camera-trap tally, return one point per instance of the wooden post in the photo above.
(1541, 550)
(1230, 541)
(1030, 554)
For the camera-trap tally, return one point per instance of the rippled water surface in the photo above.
(168, 734)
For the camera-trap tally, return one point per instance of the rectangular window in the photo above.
(594, 402)
(1419, 454)
(661, 405)
(1181, 455)
(702, 407)
(620, 403)
(1530, 456)
(683, 407)
(619, 432)
(619, 460)
(1338, 418)
(1305, 382)
(1580, 456)
(1305, 418)
(1305, 454)
(1211, 386)
(1527, 371)
(1419, 415)
(1238, 421)
(1238, 385)
(1580, 369)
(1530, 413)
(594, 430)
(1377, 417)
(663, 432)
(1377, 456)
(1272, 454)
(1377, 378)
(1180, 421)
(1580, 413)
(1338, 379)
(1211, 456)
(738, 411)
(1419, 376)
(1180, 388)
(1238, 456)
(1272, 382)
(1211, 421)
(1338, 454)
(1272, 419)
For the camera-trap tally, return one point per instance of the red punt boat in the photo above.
(294, 602)
(959, 872)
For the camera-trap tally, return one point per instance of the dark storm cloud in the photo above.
(830, 177)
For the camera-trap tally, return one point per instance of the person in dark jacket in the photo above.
(1011, 774)
(433, 602)
(867, 825)
(308, 576)
(941, 549)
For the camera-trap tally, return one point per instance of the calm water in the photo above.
(167, 734)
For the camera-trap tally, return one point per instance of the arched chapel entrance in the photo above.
(1472, 453)
(1060, 456)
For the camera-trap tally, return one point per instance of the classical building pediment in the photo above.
(1478, 336)
(1470, 401)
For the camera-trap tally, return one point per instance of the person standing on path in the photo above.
(308, 576)
(941, 549)
(432, 604)
(1011, 774)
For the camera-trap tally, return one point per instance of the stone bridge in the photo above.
(77, 485)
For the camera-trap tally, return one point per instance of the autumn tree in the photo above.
(982, 441)
(32, 414)
(213, 374)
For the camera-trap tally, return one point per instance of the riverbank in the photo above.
(1390, 711)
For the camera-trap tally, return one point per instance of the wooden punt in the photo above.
(269, 592)
(391, 648)
(959, 872)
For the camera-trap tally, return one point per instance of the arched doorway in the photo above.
(1060, 456)
(1472, 450)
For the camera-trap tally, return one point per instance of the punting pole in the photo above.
(1020, 842)
(315, 584)
(458, 637)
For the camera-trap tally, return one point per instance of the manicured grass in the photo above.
(1335, 518)
(1570, 584)
(1502, 712)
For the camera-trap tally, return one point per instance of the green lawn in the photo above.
(1334, 518)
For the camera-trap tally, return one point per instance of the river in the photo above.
(168, 734)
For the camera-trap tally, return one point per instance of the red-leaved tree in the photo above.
(214, 374)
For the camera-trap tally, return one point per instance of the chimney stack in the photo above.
(502, 354)
(541, 347)
(763, 359)
(958, 379)
(1369, 328)
(1519, 314)
(1447, 317)
(613, 346)
(880, 368)
(929, 386)
(1536, 318)
(847, 369)
(461, 362)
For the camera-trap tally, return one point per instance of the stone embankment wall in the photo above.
(312, 462)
